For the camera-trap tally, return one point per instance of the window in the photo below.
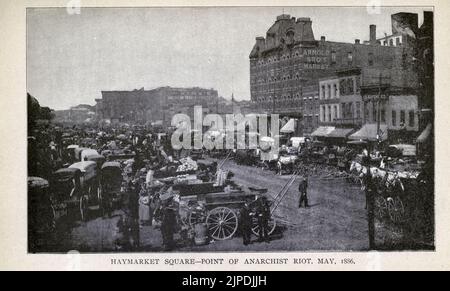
(391, 42)
(329, 91)
(402, 118)
(358, 109)
(350, 58)
(383, 115)
(394, 118)
(412, 120)
(384, 43)
(323, 91)
(370, 59)
(351, 85)
(358, 84)
(329, 113)
(397, 41)
(374, 111)
(335, 89)
(323, 114)
(366, 111)
(333, 57)
(335, 112)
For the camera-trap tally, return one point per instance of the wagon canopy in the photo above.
(37, 183)
(88, 152)
(83, 166)
(96, 158)
(66, 174)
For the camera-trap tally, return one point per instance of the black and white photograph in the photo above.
(230, 129)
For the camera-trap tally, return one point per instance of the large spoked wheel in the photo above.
(222, 223)
(272, 224)
(396, 209)
(83, 207)
(381, 207)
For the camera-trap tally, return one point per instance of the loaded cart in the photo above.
(217, 207)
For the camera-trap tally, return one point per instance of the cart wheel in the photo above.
(381, 207)
(272, 225)
(396, 209)
(222, 223)
(83, 208)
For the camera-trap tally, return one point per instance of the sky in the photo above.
(72, 58)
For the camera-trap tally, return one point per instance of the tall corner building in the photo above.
(320, 82)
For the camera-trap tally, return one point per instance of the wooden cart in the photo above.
(219, 210)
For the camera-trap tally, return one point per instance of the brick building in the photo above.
(152, 105)
(289, 60)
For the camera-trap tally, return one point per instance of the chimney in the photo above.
(357, 41)
(373, 33)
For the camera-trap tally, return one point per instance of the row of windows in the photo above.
(329, 91)
(411, 118)
(287, 97)
(390, 42)
(329, 113)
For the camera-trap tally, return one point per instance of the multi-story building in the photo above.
(289, 59)
(153, 105)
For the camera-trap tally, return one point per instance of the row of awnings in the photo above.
(369, 132)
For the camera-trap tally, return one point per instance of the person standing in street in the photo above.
(168, 221)
(303, 188)
(246, 223)
(133, 212)
(263, 215)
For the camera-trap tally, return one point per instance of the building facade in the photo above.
(158, 104)
(290, 59)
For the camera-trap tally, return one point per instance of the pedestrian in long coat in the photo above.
(246, 223)
(303, 189)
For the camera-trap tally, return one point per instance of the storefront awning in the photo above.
(369, 133)
(289, 127)
(340, 132)
(425, 134)
(323, 131)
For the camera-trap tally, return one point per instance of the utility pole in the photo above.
(378, 111)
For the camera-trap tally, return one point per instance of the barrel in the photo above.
(201, 234)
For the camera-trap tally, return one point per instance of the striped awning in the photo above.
(340, 132)
(289, 127)
(323, 131)
(369, 133)
(425, 134)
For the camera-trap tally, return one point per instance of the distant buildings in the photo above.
(348, 85)
(154, 105)
(78, 114)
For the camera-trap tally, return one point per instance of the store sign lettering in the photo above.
(315, 59)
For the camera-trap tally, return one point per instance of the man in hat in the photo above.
(246, 222)
(133, 212)
(263, 215)
(169, 219)
(302, 189)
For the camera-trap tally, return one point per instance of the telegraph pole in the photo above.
(378, 111)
